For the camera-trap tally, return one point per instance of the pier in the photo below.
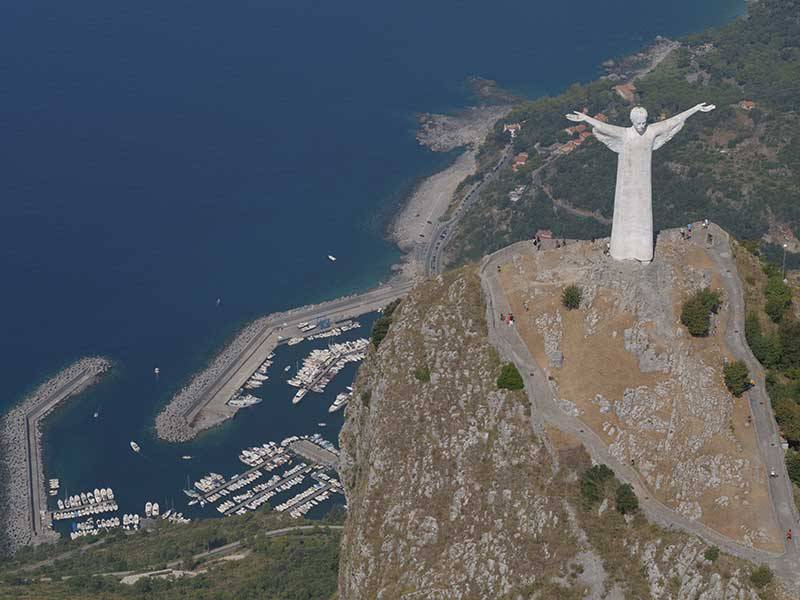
(24, 492)
(315, 453)
(203, 403)
(268, 490)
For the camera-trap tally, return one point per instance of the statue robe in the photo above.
(632, 226)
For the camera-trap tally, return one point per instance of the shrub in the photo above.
(793, 465)
(779, 297)
(737, 379)
(571, 297)
(711, 553)
(761, 577)
(509, 378)
(422, 374)
(787, 414)
(696, 311)
(789, 336)
(766, 348)
(593, 483)
(626, 500)
(381, 326)
(752, 246)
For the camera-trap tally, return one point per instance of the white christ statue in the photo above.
(632, 227)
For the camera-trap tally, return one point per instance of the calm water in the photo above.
(158, 156)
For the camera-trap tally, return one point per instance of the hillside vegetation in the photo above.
(774, 338)
(301, 564)
(738, 165)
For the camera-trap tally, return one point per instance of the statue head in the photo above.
(639, 119)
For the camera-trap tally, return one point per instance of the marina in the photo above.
(241, 493)
(274, 474)
(320, 366)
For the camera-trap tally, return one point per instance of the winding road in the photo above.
(545, 410)
(431, 257)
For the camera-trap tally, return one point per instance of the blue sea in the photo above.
(156, 156)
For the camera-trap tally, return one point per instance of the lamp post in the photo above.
(783, 268)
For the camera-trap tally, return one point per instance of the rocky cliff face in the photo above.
(452, 495)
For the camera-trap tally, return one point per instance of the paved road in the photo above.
(545, 410)
(431, 257)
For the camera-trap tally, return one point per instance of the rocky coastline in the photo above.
(16, 472)
(418, 217)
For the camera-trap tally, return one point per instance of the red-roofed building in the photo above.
(580, 128)
(520, 160)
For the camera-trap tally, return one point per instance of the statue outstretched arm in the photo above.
(668, 128)
(611, 135)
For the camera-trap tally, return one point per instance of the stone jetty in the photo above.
(23, 500)
(202, 403)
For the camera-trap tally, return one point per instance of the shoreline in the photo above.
(418, 217)
(23, 496)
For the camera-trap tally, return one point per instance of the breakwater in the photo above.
(23, 500)
(203, 402)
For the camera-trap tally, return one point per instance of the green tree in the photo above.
(711, 553)
(571, 297)
(737, 378)
(787, 414)
(510, 378)
(779, 297)
(789, 335)
(793, 465)
(626, 500)
(696, 311)
(593, 482)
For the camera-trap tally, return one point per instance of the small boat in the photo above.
(322, 424)
(135, 447)
(186, 457)
(148, 509)
(156, 371)
(287, 368)
(331, 258)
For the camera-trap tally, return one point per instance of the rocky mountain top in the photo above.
(451, 494)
